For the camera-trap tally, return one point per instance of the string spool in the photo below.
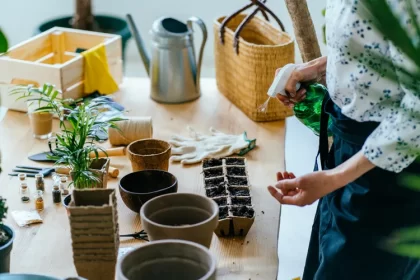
(130, 130)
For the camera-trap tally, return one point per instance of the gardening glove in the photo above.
(216, 145)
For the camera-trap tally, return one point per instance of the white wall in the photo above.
(19, 18)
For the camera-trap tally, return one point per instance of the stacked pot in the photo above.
(95, 233)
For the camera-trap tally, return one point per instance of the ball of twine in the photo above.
(130, 130)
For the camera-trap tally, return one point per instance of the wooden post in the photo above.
(58, 48)
(83, 17)
(304, 29)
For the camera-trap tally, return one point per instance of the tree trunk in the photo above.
(83, 18)
(304, 29)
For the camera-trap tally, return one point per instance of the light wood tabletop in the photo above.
(46, 248)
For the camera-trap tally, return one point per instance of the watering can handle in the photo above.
(202, 25)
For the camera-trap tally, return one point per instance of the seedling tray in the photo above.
(226, 181)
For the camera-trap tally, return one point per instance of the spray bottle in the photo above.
(309, 110)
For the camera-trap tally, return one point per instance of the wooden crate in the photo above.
(51, 57)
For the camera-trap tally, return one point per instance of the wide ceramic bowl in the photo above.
(168, 259)
(139, 187)
(184, 216)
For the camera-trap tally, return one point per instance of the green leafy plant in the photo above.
(4, 45)
(4, 237)
(406, 241)
(79, 124)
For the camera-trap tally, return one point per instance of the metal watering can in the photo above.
(172, 68)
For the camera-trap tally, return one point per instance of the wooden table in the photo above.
(46, 248)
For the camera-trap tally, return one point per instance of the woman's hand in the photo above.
(306, 72)
(306, 189)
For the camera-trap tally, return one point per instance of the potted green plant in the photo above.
(84, 19)
(6, 239)
(75, 145)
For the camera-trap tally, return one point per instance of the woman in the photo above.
(376, 131)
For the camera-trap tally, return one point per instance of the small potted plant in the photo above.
(75, 144)
(6, 239)
(83, 18)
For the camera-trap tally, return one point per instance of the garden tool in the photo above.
(46, 156)
(173, 69)
(216, 145)
(141, 235)
(31, 171)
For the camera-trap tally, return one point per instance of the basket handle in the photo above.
(261, 7)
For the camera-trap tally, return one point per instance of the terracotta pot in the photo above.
(139, 187)
(168, 259)
(149, 154)
(183, 216)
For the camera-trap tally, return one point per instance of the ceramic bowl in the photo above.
(168, 259)
(139, 187)
(184, 216)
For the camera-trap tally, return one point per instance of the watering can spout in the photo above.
(139, 42)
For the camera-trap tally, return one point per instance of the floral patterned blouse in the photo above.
(362, 94)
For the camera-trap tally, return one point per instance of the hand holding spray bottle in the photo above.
(309, 110)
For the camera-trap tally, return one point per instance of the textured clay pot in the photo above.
(139, 187)
(149, 154)
(182, 216)
(5, 250)
(168, 259)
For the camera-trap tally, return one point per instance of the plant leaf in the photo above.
(4, 45)
(388, 24)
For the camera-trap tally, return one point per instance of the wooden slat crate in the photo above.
(51, 57)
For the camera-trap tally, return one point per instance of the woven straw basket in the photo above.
(245, 67)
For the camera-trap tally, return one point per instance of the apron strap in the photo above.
(323, 136)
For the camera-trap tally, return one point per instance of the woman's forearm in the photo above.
(350, 170)
(319, 65)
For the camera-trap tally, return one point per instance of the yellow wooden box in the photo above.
(51, 57)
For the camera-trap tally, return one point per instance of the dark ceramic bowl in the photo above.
(139, 187)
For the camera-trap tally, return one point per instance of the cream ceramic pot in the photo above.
(169, 260)
(182, 216)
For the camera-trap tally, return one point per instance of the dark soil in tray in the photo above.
(243, 211)
(241, 201)
(221, 201)
(236, 171)
(214, 172)
(235, 191)
(215, 182)
(223, 212)
(217, 191)
(212, 162)
(235, 161)
(237, 181)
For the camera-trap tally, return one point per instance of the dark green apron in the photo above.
(352, 222)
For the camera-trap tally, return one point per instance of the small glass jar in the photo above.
(24, 192)
(39, 201)
(64, 186)
(22, 178)
(56, 194)
(39, 182)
